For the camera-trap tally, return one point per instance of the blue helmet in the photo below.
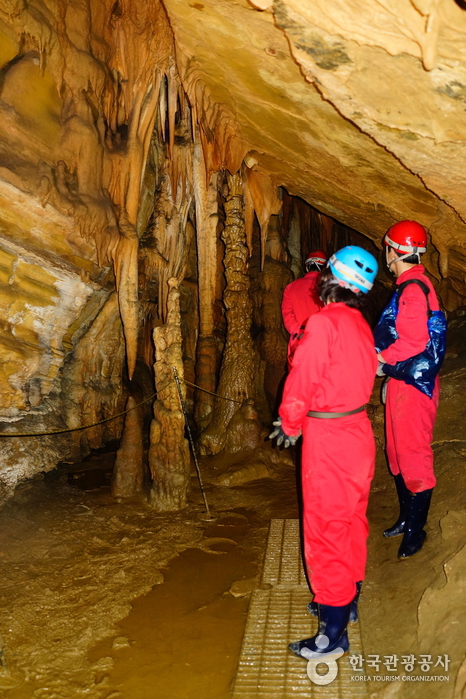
(355, 267)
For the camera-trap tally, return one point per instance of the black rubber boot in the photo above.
(415, 535)
(313, 607)
(404, 497)
(332, 635)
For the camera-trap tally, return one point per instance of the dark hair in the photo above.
(330, 291)
(414, 259)
(312, 267)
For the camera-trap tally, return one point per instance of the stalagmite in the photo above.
(205, 193)
(237, 370)
(169, 458)
(128, 471)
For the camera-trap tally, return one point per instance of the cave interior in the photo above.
(165, 167)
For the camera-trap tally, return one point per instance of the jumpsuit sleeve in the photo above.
(310, 363)
(289, 318)
(411, 326)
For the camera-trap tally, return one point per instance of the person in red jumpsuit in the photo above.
(331, 379)
(409, 413)
(301, 300)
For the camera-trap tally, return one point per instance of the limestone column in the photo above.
(169, 458)
(205, 194)
(237, 369)
(273, 279)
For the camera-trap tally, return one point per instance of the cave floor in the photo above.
(112, 600)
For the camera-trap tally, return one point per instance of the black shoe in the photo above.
(313, 607)
(404, 498)
(414, 535)
(332, 635)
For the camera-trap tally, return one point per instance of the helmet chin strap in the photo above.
(400, 259)
(319, 265)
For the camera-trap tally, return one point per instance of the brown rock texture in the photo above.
(128, 471)
(169, 458)
(237, 371)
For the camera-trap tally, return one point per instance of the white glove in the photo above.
(281, 436)
(379, 371)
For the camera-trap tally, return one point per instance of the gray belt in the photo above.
(314, 413)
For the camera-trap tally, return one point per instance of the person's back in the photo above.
(340, 376)
(324, 398)
(301, 300)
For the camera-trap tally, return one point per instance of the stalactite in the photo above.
(325, 233)
(205, 193)
(275, 247)
(131, 174)
(128, 471)
(443, 262)
(446, 221)
(294, 245)
(173, 82)
(237, 370)
(263, 194)
(126, 274)
(222, 143)
(169, 458)
(167, 254)
(427, 37)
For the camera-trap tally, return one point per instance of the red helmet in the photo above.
(316, 257)
(407, 237)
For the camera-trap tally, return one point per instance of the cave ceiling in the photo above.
(357, 107)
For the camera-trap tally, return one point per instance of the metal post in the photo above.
(183, 407)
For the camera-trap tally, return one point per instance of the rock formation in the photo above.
(237, 371)
(128, 471)
(120, 125)
(169, 458)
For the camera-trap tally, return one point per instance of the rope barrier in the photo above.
(233, 400)
(75, 429)
(108, 419)
(191, 441)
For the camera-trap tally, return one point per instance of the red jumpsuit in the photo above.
(410, 414)
(300, 301)
(333, 371)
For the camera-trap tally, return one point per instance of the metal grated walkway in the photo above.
(277, 615)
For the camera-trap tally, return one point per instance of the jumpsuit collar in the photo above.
(412, 273)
